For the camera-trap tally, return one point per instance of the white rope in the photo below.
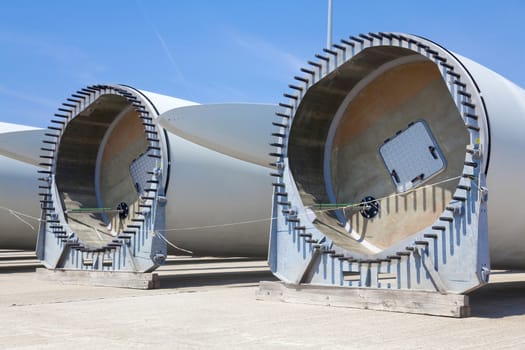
(344, 206)
(158, 234)
(193, 228)
(19, 215)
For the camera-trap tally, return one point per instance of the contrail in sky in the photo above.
(165, 48)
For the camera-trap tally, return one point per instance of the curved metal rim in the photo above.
(341, 53)
(51, 208)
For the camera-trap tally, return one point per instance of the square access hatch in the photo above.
(412, 156)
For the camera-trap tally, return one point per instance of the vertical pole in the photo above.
(329, 25)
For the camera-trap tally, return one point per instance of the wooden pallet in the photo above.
(407, 301)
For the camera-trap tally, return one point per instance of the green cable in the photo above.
(80, 210)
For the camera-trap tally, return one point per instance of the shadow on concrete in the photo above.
(172, 269)
(498, 300)
(244, 278)
(199, 260)
(20, 269)
(14, 261)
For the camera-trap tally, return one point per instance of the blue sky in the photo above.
(219, 51)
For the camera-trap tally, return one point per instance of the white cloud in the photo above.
(268, 52)
(71, 59)
(165, 48)
(37, 100)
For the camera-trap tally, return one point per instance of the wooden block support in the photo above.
(407, 301)
(131, 280)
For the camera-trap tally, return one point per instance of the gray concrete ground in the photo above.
(210, 303)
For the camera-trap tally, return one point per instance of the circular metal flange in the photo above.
(55, 216)
(462, 89)
(369, 207)
(123, 210)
